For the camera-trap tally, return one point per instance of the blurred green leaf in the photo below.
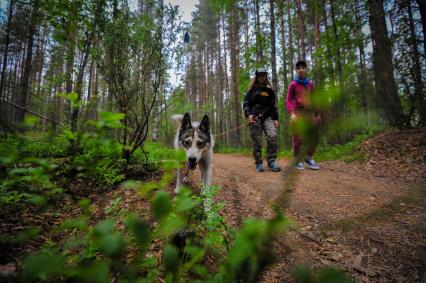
(161, 205)
(140, 229)
(171, 258)
(37, 200)
(112, 244)
(96, 273)
(74, 243)
(42, 265)
(79, 223)
(84, 203)
(170, 225)
(31, 120)
(331, 275)
(303, 274)
(150, 262)
(111, 119)
(104, 227)
(184, 203)
(180, 155)
(25, 235)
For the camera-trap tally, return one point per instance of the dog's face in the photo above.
(195, 140)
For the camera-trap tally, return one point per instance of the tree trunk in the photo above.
(330, 55)
(227, 87)
(386, 90)
(83, 63)
(5, 56)
(300, 31)
(338, 56)
(202, 77)
(221, 78)
(40, 59)
(246, 34)
(69, 64)
(422, 8)
(20, 114)
(290, 39)
(418, 82)
(283, 45)
(259, 49)
(233, 42)
(363, 73)
(319, 72)
(273, 50)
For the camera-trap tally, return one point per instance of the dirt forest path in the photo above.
(372, 226)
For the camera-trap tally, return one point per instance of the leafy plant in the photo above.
(190, 229)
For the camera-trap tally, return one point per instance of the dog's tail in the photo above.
(177, 117)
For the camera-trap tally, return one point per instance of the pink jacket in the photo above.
(298, 96)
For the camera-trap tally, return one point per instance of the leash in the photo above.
(239, 127)
(231, 130)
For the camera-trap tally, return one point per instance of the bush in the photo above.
(348, 151)
(189, 228)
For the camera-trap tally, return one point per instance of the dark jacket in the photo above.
(261, 100)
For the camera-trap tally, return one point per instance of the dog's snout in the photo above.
(192, 159)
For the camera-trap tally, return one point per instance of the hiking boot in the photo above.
(273, 166)
(259, 167)
(312, 164)
(300, 166)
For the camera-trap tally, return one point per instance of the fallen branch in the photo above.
(32, 112)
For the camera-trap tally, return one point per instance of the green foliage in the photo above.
(304, 274)
(34, 163)
(190, 229)
(136, 51)
(42, 265)
(222, 5)
(34, 144)
(26, 178)
(99, 156)
(154, 155)
(348, 151)
(228, 149)
(21, 237)
(140, 230)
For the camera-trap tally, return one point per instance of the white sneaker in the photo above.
(300, 166)
(312, 164)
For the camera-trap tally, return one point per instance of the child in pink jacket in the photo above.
(303, 118)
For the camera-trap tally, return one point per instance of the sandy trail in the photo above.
(371, 226)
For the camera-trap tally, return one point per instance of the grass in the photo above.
(347, 152)
(229, 150)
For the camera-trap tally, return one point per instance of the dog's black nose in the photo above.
(192, 159)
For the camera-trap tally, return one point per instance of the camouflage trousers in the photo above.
(271, 132)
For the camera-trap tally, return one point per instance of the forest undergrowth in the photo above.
(73, 209)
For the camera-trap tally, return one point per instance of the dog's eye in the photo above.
(187, 143)
(200, 144)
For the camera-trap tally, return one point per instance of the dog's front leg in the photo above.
(178, 180)
(206, 172)
(206, 179)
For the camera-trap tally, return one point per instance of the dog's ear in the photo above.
(186, 122)
(205, 124)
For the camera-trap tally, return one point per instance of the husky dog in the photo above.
(197, 141)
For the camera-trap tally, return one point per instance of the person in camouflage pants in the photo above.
(261, 110)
